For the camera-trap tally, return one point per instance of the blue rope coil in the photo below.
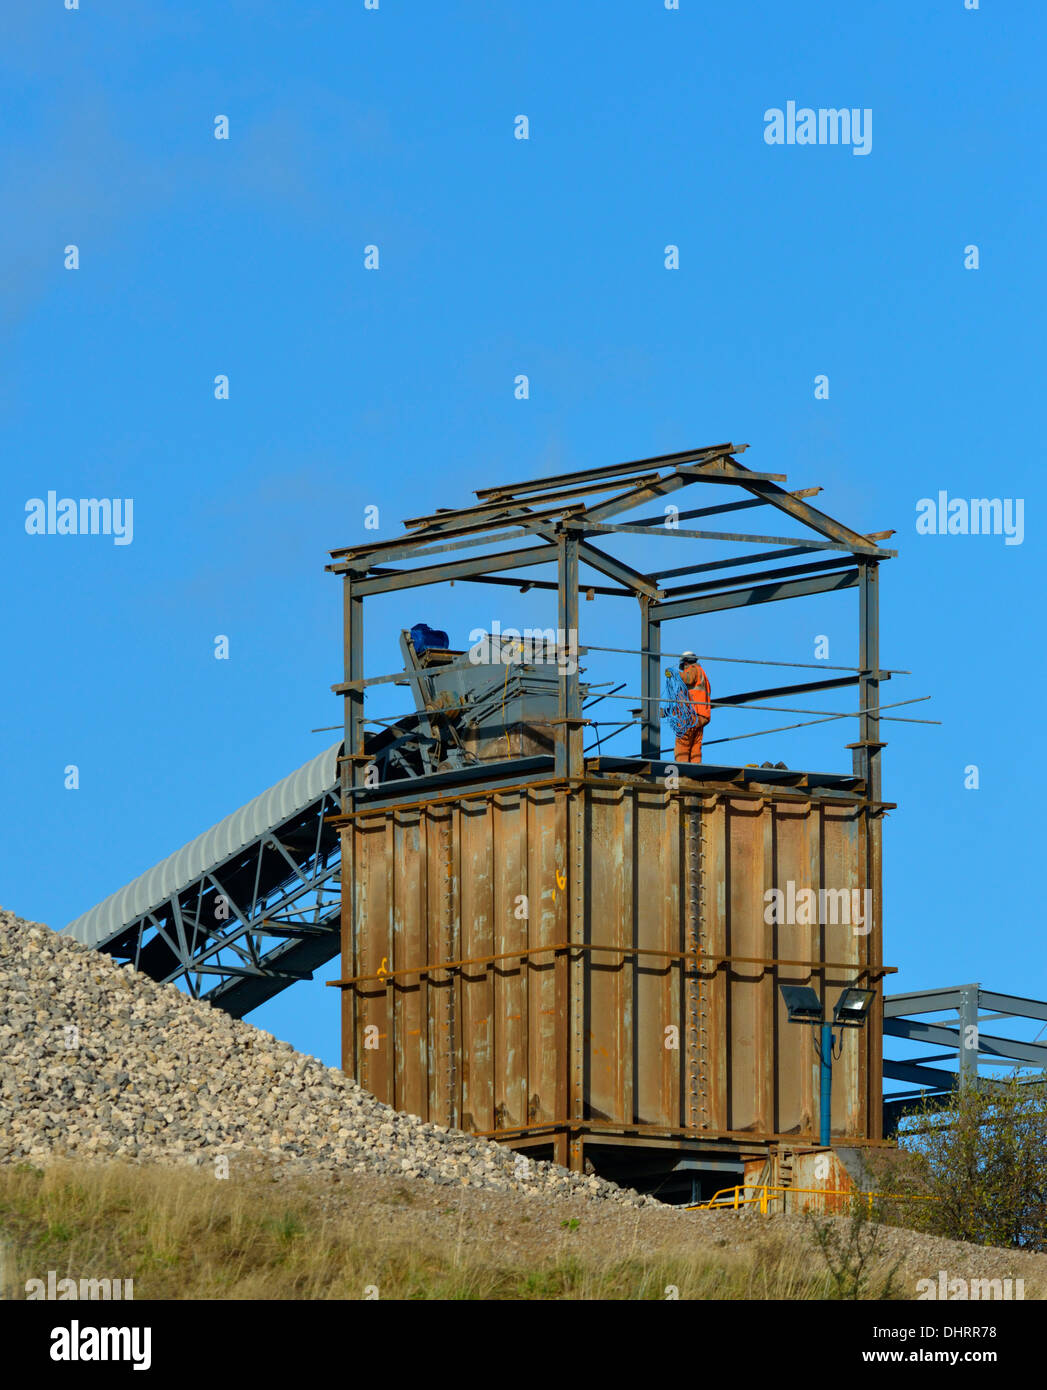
(680, 710)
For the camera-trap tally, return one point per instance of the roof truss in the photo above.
(542, 509)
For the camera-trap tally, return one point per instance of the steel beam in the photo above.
(613, 470)
(941, 1035)
(919, 1076)
(1012, 1004)
(524, 584)
(459, 569)
(921, 1001)
(757, 557)
(568, 757)
(810, 516)
(353, 655)
(725, 470)
(867, 755)
(759, 593)
(969, 1041)
(606, 564)
(650, 682)
(723, 507)
(725, 581)
(638, 496)
(440, 518)
(587, 524)
(358, 555)
(616, 569)
(428, 545)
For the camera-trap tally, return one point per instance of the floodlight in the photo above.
(803, 1004)
(852, 1007)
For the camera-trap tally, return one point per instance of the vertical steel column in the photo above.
(353, 653)
(650, 684)
(569, 762)
(576, 799)
(451, 1042)
(868, 766)
(968, 1011)
(868, 753)
(351, 775)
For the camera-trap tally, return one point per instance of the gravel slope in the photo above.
(99, 1061)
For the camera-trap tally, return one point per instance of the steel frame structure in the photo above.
(546, 521)
(566, 521)
(964, 1041)
(241, 933)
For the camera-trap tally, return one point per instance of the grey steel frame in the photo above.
(966, 1044)
(241, 933)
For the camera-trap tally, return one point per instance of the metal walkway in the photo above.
(252, 905)
(245, 909)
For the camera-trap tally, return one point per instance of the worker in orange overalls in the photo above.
(689, 745)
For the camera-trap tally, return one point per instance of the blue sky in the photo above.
(394, 388)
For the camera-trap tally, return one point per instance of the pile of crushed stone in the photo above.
(100, 1062)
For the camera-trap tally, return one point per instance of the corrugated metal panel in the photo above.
(209, 851)
(622, 1032)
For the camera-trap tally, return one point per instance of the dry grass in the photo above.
(180, 1234)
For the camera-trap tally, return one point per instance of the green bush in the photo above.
(982, 1155)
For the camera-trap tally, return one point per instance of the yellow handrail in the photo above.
(733, 1198)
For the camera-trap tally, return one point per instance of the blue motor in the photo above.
(425, 638)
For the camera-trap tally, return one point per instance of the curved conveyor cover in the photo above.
(209, 851)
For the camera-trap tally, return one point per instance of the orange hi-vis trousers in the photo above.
(688, 747)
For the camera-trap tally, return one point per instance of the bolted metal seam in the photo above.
(703, 984)
(576, 932)
(452, 979)
(693, 985)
